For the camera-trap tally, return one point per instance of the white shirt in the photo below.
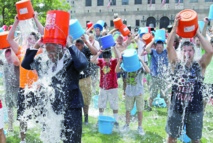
(141, 48)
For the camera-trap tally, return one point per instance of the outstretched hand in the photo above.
(177, 19)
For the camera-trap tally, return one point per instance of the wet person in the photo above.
(27, 78)
(158, 71)
(134, 93)
(62, 67)
(186, 108)
(108, 82)
(2, 136)
(85, 76)
(11, 83)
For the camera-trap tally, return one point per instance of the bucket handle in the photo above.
(56, 27)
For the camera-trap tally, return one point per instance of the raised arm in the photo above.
(92, 49)
(149, 46)
(206, 58)
(38, 24)
(118, 66)
(94, 59)
(172, 55)
(10, 37)
(112, 31)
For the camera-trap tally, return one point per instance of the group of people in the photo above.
(66, 77)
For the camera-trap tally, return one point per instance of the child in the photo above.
(2, 136)
(134, 93)
(108, 82)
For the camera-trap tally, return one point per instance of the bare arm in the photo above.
(94, 59)
(128, 41)
(88, 30)
(118, 67)
(146, 68)
(172, 55)
(117, 52)
(112, 31)
(149, 46)
(38, 24)
(10, 37)
(92, 49)
(206, 58)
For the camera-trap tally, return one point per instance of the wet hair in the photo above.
(80, 41)
(187, 43)
(107, 54)
(35, 35)
(159, 42)
(55, 45)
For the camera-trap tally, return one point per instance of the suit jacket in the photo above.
(65, 91)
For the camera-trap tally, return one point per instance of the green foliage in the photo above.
(8, 9)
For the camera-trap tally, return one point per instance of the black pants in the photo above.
(73, 125)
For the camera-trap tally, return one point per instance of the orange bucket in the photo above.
(117, 23)
(3, 38)
(124, 30)
(147, 38)
(188, 24)
(24, 9)
(56, 27)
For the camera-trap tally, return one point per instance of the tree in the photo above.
(8, 9)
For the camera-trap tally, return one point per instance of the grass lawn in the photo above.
(154, 123)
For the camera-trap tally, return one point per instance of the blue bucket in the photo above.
(159, 102)
(99, 24)
(134, 110)
(160, 35)
(201, 25)
(210, 17)
(75, 29)
(143, 30)
(107, 41)
(131, 61)
(184, 138)
(1, 30)
(95, 101)
(105, 124)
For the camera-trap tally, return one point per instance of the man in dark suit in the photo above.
(61, 67)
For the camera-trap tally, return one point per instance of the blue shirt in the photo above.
(159, 62)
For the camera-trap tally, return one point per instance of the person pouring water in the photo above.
(186, 106)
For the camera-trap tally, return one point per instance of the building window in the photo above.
(193, 1)
(138, 1)
(167, 1)
(178, 1)
(125, 2)
(100, 2)
(137, 23)
(111, 23)
(112, 2)
(88, 2)
(153, 1)
(208, 0)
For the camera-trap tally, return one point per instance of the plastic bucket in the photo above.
(3, 38)
(201, 25)
(56, 27)
(24, 9)
(75, 29)
(188, 23)
(159, 102)
(89, 24)
(147, 38)
(107, 41)
(184, 138)
(99, 24)
(117, 23)
(210, 17)
(143, 30)
(105, 124)
(160, 35)
(95, 101)
(124, 30)
(131, 61)
(134, 110)
(1, 30)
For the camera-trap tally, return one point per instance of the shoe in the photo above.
(125, 128)
(116, 124)
(141, 131)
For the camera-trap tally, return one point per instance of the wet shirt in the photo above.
(187, 88)
(159, 63)
(87, 72)
(11, 76)
(108, 76)
(134, 83)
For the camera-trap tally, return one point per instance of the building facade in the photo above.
(136, 13)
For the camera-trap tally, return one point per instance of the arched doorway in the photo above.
(151, 20)
(164, 22)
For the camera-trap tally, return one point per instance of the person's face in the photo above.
(79, 46)
(197, 41)
(120, 40)
(91, 39)
(188, 53)
(8, 56)
(31, 40)
(97, 31)
(52, 53)
(159, 48)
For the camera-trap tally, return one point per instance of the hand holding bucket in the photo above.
(24, 9)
